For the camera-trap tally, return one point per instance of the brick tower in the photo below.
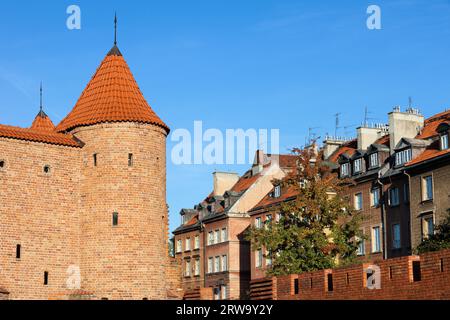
(123, 211)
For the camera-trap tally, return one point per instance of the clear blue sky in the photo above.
(280, 64)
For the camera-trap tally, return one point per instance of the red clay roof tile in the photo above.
(38, 136)
(112, 95)
(43, 123)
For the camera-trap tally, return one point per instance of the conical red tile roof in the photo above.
(43, 123)
(112, 95)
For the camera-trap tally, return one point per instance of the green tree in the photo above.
(439, 240)
(318, 229)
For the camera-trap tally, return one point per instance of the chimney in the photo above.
(259, 162)
(404, 125)
(330, 145)
(224, 181)
(367, 135)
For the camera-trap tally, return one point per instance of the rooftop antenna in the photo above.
(410, 102)
(311, 134)
(337, 115)
(115, 28)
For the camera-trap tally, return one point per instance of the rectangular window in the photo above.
(358, 201)
(374, 161)
(427, 227)
(210, 238)
(268, 221)
(396, 236)
(427, 188)
(210, 265)
(197, 267)
(361, 247)
(277, 192)
(394, 199)
(224, 263)
(46, 278)
(357, 166)
(18, 251)
(197, 242)
(224, 291)
(95, 159)
(345, 169)
(258, 223)
(224, 235)
(179, 246)
(259, 258)
(375, 197)
(130, 159)
(268, 259)
(187, 245)
(217, 236)
(217, 264)
(187, 270)
(444, 142)
(376, 240)
(402, 157)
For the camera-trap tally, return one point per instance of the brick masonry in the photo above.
(349, 283)
(64, 217)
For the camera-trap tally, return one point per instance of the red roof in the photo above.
(432, 123)
(43, 123)
(268, 200)
(349, 148)
(112, 95)
(38, 136)
(244, 183)
(385, 140)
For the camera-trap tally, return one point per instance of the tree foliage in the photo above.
(439, 240)
(316, 230)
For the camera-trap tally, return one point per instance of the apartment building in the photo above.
(210, 243)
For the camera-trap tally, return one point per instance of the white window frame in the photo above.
(179, 246)
(224, 263)
(258, 222)
(217, 264)
(224, 235)
(376, 245)
(357, 165)
(210, 265)
(217, 236)
(361, 251)
(374, 160)
(197, 267)
(345, 169)
(277, 192)
(197, 242)
(425, 226)
(187, 244)
(402, 157)
(210, 238)
(187, 268)
(427, 188)
(375, 196)
(259, 258)
(359, 205)
(444, 141)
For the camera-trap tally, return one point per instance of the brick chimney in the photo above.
(404, 125)
(224, 181)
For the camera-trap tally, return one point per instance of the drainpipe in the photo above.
(383, 219)
(205, 260)
(409, 205)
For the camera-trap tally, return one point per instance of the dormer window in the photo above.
(345, 169)
(357, 166)
(374, 160)
(402, 157)
(444, 141)
(277, 192)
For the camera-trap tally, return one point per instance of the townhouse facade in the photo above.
(211, 242)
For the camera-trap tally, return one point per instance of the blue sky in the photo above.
(288, 65)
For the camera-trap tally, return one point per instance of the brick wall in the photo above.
(397, 281)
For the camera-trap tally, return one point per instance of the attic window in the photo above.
(374, 160)
(402, 157)
(345, 169)
(277, 192)
(444, 142)
(357, 166)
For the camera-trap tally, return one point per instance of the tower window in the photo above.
(46, 278)
(2, 164)
(46, 169)
(18, 253)
(95, 159)
(115, 219)
(130, 160)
